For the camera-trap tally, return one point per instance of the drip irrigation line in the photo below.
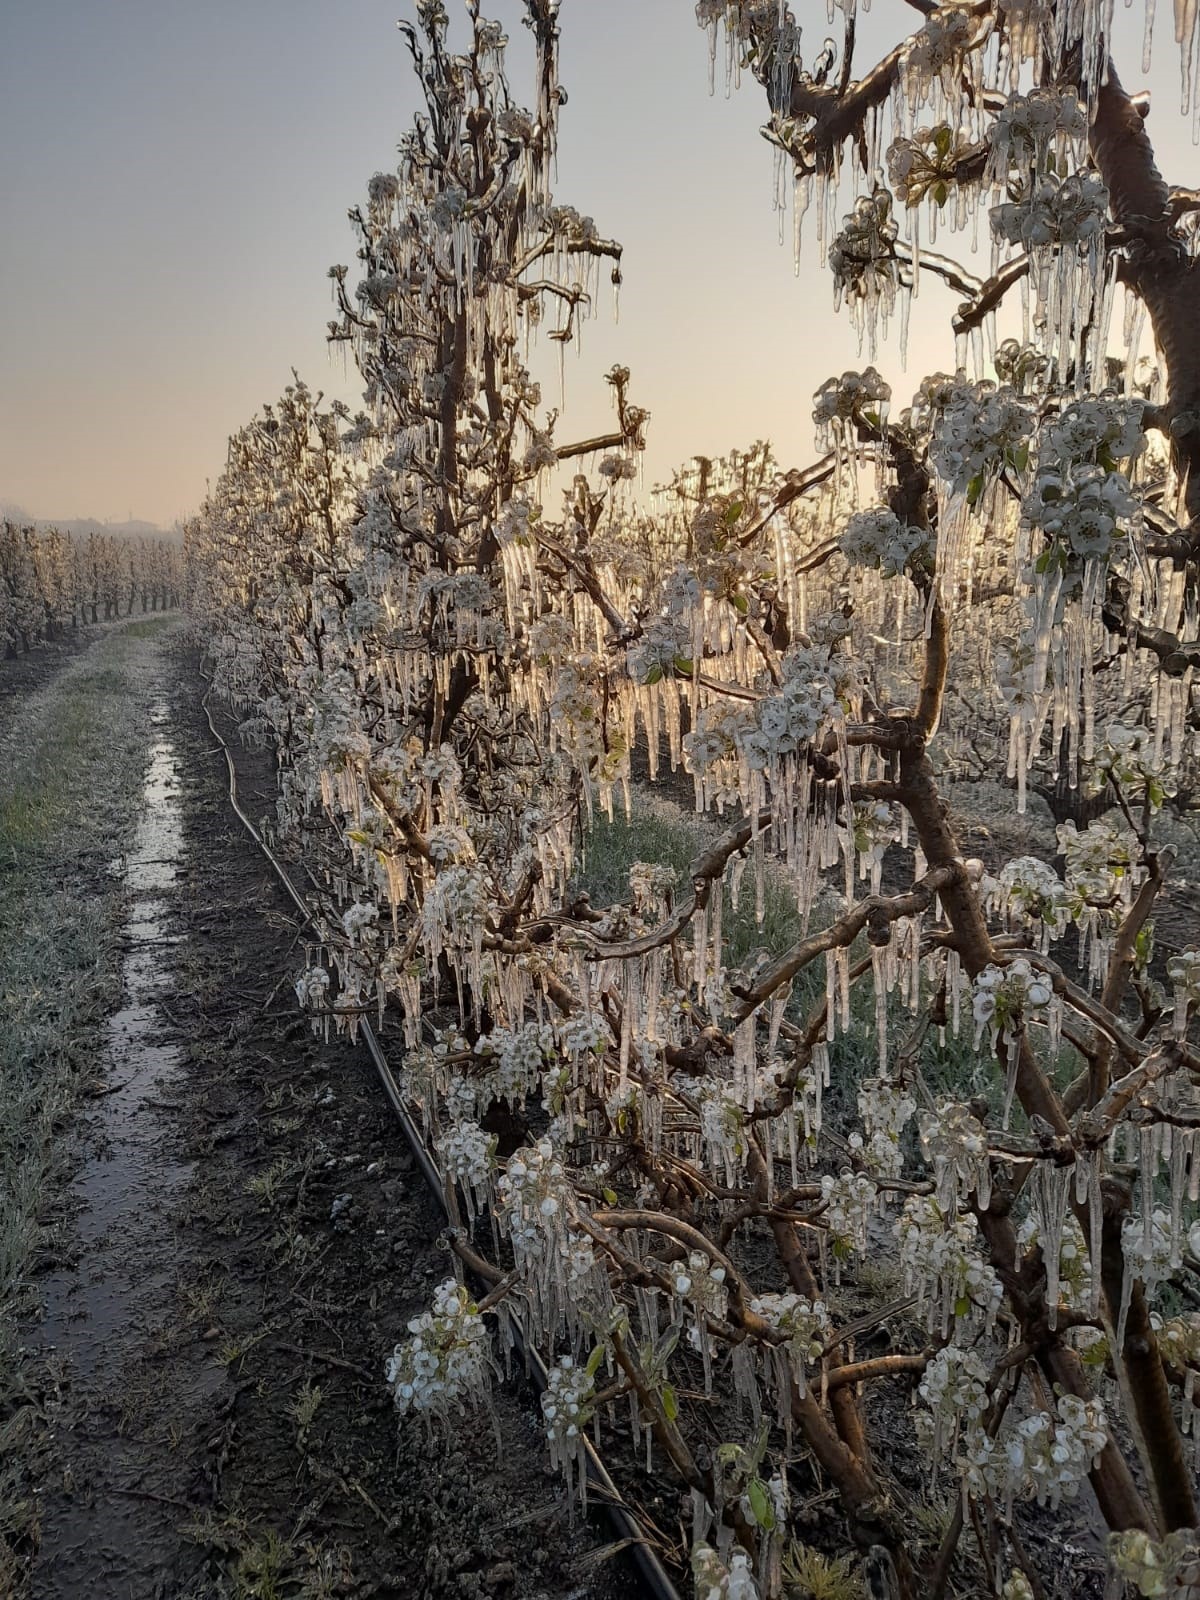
(654, 1575)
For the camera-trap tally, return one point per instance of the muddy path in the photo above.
(247, 1240)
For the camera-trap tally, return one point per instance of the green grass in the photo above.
(668, 836)
(150, 627)
(72, 758)
(665, 834)
(42, 796)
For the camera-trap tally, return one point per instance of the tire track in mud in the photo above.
(251, 1239)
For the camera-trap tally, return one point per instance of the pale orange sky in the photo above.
(175, 180)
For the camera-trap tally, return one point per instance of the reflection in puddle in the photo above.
(126, 1182)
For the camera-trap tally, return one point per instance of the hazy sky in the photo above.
(174, 180)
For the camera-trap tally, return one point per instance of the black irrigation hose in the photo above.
(654, 1575)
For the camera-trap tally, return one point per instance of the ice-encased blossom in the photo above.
(716, 1581)
(877, 539)
(886, 1110)
(516, 521)
(1003, 995)
(1184, 972)
(534, 1201)
(1151, 1253)
(383, 188)
(664, 642)
(466, 1152)
(1125, 752)
(1050, 1457)
(541, 454)
(1029, 126)
(942, 1260)
(1070, 215)
(1030, 888)
(1103, 429)
(1017, 1588)
(954, 1386)
(851, 1200)
(514, 1058)
(978, 428)
(1155, 1567)
(445, 1364)
(862, 257)
(456, 905)
(954, 1142)
(702, 1282)
(1080, 512)
(566, 1410)
(940, 43)
(1103, 866)
(584, 1034)
(312, 986)
(805, 1322)
(1074, 1275)
(840, 400)
(926, 164)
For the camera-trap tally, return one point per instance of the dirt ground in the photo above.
(244, 1241)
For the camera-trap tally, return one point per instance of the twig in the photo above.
(330, 1361)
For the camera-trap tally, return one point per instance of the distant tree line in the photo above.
(51, 581)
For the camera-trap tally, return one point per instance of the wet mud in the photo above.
(118, 1286)
(247, 1238)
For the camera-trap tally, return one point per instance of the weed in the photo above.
(237, 1349)
(200, 1301)
(304, 1408)
(261, 1568)
(809, 1575)
(266, 1184)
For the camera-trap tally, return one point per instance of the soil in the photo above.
(245, 1239)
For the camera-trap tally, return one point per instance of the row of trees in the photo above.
(51, 580)
(456, 679)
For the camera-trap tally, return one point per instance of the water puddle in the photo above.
(126, 1184)
(127, 1371)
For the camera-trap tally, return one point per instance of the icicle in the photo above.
(878, 963)
(1050, 1193)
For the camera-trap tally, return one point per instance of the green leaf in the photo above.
(1042, 564)
(732, 512)
(684, 664)
(655, 674)
(760, 1503)
(941, 139)
(974, 490)
(610, 1196)
(941, 194)
(670, 1403)
(740, 604)
(595, 1361)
